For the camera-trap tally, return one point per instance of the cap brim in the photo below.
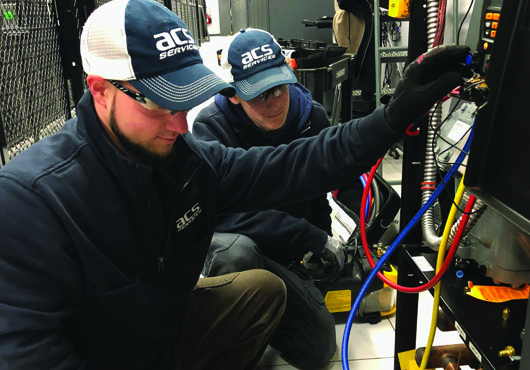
(260, 82)
(184, 88)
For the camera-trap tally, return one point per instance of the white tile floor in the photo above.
(371, 346)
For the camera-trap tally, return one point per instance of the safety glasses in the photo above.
(151, 108)
(276, 91)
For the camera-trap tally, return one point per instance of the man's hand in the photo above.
(333, 252)
(425, 81)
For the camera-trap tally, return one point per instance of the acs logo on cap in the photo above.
(176, 41)
(252, 57)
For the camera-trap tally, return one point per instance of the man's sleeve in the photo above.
(206, 128)
(267, 177)
(39, 281)
(203, 131)
(274, 229)
(321, 213)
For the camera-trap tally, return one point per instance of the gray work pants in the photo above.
(230, 321)
(306, 333)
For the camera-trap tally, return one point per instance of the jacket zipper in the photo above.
(161, 263)
(305, 129)
(160, 259)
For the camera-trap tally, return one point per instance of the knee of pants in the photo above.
(267, 282)
(267, 290)
(232, 253)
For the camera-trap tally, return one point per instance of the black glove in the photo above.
(425, 81)
(333, 253)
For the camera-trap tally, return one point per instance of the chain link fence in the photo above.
(33, 100)
(41, 77)
(193, 13)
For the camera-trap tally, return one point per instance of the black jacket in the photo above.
(99, 253)
(287, 232)
(364, 61)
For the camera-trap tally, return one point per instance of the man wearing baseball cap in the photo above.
(106, 224)
(269, 109)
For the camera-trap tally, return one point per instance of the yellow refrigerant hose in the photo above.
(439, 261)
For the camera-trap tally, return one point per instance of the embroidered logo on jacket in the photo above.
(188, 217)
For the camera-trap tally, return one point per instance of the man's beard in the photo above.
(139, 152)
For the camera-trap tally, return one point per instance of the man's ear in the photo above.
(99, 87)
(234, 100)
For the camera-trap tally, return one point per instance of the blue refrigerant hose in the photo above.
(395, 244)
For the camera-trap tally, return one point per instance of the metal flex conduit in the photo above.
(430, 237)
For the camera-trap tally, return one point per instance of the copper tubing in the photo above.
(448, 357)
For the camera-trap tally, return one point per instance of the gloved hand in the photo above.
(425, 81)
(333, 252)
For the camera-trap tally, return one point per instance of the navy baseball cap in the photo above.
(255, 63)
(144, 43)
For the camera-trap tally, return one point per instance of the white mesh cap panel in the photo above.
(225, 66)
(106, 53)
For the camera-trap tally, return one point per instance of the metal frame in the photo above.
(69, 28)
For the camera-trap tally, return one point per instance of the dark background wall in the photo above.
(282, 18)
